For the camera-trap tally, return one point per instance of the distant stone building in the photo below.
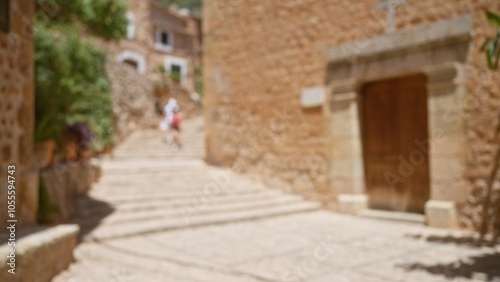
(160, 38)
(17, 112)
(376, 104)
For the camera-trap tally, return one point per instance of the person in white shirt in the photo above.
(170, 108)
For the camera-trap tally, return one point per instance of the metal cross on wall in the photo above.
(390, 6)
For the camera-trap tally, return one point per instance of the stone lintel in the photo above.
(344, 86)
(344, 90)
(441, 214)
(456, 29)
(349, 96)
(441, 73)
(352, 204)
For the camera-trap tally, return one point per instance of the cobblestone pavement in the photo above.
(166, 216)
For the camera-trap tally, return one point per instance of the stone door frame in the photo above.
(439, 51)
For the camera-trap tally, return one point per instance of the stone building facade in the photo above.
(357, 104)
(17, 111)
(159, 37)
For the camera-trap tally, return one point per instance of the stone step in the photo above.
(165, 171)
(150, 226)
(116, 200)
(184, 150)
(172, 189)
(172, 157)
(118, 261)
(162, 151)
(175, 189)
(162, 140)
(159, 145)
(141, 164)
(137, 196)
(152, 155)
(170, 180)
(183, 212)
(118, 186)
(195, 199)
(393, 216)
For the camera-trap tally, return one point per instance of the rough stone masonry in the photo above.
(260, 55)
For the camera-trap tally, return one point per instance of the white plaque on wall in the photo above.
(312, 97)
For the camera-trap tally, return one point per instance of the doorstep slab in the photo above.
(441, 214)
(394, 216)
(352, 204)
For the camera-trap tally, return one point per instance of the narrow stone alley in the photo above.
(161, 215)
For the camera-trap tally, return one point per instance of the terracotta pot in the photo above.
(44, 153)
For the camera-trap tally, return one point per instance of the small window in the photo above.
(164, 38)
(176, 72)
(132, 63)
(175, 69)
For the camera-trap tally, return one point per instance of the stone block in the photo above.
(344, 147)
(352, 204)
(312, 97)
(341, 185)
(441, 214)
(453, 190)
(447, 168)
(350, 167)
(448, 144)
(446, 122)
(346, 122)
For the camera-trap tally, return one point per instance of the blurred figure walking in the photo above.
(168, 111)
(175, 129)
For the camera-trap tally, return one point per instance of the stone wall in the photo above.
(40, 255)
(142, 45)
(61, 185)
(17, 114)
(259, 55)
(189, 103)
(133, 100)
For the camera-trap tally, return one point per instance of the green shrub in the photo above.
(175, 76)
(72, 88)
(71, 84)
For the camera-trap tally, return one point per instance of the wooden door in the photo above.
(395, 136)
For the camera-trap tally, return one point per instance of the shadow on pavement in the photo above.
(468, 241)
(486, 265)
(89, 214)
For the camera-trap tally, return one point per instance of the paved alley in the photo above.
(162, 215)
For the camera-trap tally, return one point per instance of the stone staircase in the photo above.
(147, 187)
(152, 143)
